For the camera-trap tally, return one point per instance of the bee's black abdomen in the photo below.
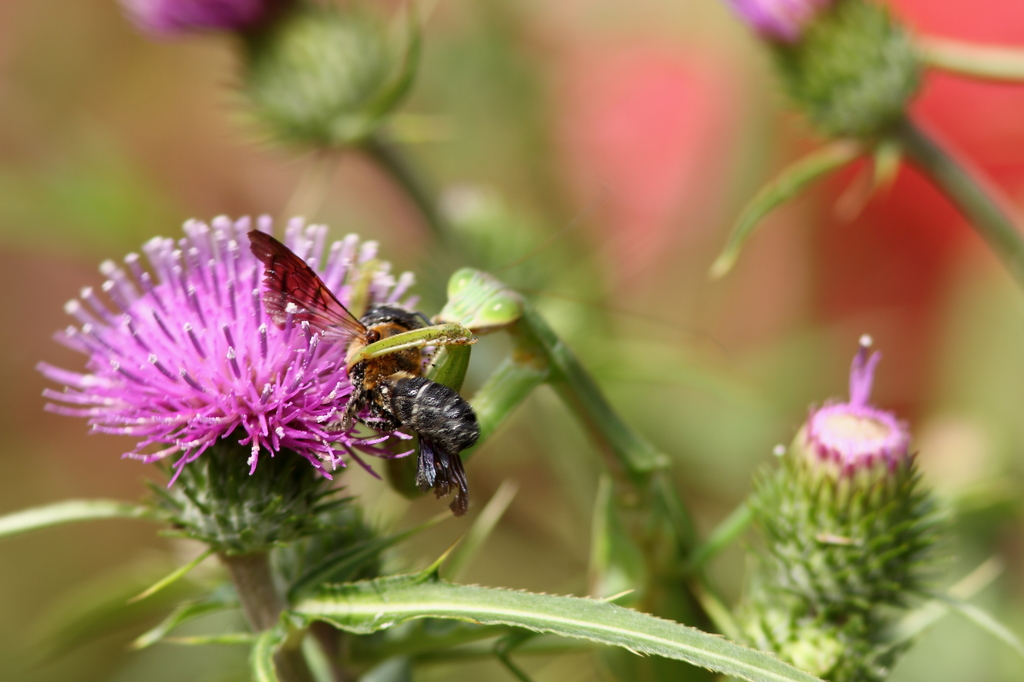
(447, 425)
(435, 411)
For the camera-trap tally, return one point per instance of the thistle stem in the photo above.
(989, 212)
(644, 466)
(1000, 64)
(263, 605)
(392, 161)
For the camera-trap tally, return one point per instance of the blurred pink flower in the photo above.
(648, 135)
(174, 17)
(781, 20)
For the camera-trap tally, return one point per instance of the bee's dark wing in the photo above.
(443, 472)
(291, 287)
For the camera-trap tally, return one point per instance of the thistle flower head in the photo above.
(852, 436)
(174, 17)
(778, 20)
(183, 355)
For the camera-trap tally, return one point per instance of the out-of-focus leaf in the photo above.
(350, 558)
(374, 605)
(721, 537)
(793, 179)
(181, 615)
(391, 670)
(615, 561)
(69, 512)
(101, 607)
(984, 621)
(927, 615)
(172, 577)
(205, 640)
(262, 658)
(481, 529)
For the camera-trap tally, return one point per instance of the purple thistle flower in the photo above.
(854, 436)
(778, 20)
(186, 355)
(174, 17)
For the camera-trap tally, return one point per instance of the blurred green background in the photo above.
(632, 131)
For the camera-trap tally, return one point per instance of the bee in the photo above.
(389, 387)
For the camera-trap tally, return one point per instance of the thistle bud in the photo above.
(325, 76)
(847, 531)
(847, 63)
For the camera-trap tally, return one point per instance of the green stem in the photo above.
(391, 160)
(721, 537)
(982, 204)
(1001, 64)
(644, 466)
(263, 605)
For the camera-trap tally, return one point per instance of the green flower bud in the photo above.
(216, 499)
(847, 532)
(853, 70)
(325, 76)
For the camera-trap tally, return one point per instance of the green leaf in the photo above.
(481, 529)
(68, 512)
(984, 621)
(721, 537)
(179, 616)
(173, 577)
(205, 640)
(261, 660)
(351, 557)
(369, 606)
(793, 179)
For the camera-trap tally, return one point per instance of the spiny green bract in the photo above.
(853, 72)
(839, 563)
(215, 500)
(320, 76)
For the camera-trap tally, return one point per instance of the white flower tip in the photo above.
(279, 431)
(72, 306)
(291, 308)
(231, 353)
(107, 267)
(779, 450)
(107, 286)
(131, 258)
(86, 292)
(866, 341)
(187, 327)
(153, 359)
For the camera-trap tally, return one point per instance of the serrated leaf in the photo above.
(261, 660)
(369, 606)
(790, 182)
(69, 512)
